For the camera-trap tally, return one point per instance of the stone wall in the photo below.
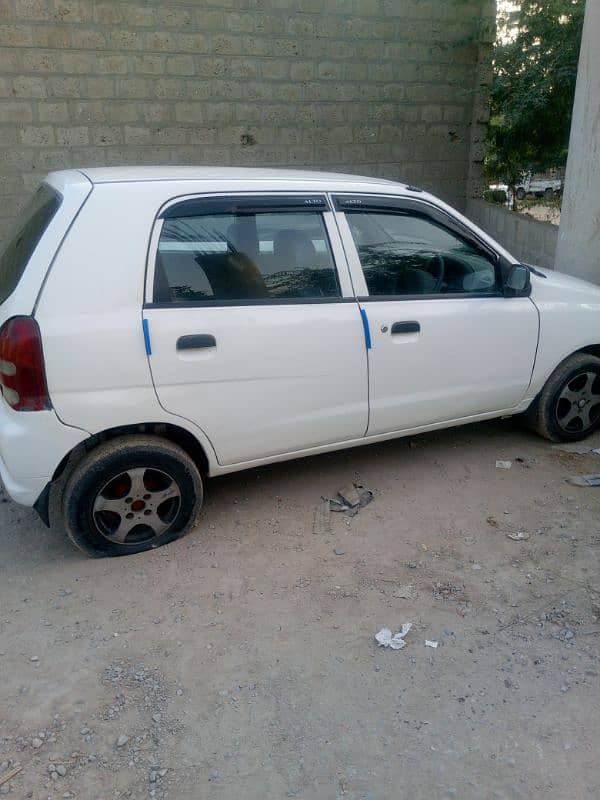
(382, 87)
(525, 238)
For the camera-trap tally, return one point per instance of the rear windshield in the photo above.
(28, 230)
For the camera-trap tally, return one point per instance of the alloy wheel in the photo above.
(136, 506)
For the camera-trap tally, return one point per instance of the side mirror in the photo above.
(518, 282)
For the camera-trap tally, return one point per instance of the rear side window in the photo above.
(29, 229)
(232, 257)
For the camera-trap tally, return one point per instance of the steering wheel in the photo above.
(437, 269)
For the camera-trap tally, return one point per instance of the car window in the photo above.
(264, 255)
(408, 254)
(28, 230)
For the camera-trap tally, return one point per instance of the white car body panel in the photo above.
(569, 311)
(310, 392)
(281, 378)
(443, 371)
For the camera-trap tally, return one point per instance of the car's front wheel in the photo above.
(130, 494)
(568, 408)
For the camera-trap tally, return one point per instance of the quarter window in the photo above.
(408, 254)
(29, 229)
(266, 255)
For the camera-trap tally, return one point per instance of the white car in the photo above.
(159, 326)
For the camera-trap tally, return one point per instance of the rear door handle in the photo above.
(406, 327)
(196, 341)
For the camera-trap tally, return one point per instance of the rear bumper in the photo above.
(22, 490)
(32, 445)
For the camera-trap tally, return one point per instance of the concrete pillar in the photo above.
(578, 250)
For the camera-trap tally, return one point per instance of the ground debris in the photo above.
(322, 518)
(584, 480)
(385, 638)
(351, 499)
(519, 536)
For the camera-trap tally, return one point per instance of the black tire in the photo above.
(561, 418)
(109, 474)
(548, 193)
(521, 193)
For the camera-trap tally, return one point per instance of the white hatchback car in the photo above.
(163, 325)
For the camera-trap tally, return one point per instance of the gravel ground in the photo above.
(240, 662)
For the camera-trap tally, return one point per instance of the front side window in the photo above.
(263, 255)
(408, 254)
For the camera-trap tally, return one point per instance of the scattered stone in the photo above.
(122, 740)
(33, 659)
(84, 731)
(156, 717)
(36, 742)
(61, 769)
(152, 777)
(338, 551)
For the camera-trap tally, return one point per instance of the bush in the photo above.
(495, 196)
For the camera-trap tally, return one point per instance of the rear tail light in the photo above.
(22, 371)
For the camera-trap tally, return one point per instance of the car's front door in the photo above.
(255, 333)
(445, 343)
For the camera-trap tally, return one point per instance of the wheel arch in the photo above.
(590, 350)
(166, 430)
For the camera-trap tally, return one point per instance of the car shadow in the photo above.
(26, 542)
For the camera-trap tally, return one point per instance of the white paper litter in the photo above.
(385, 638)
(429, 643)
(519, 536)
(503, 464)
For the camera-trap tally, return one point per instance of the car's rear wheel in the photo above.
(130, 494)
(521, 193)
(568, 408)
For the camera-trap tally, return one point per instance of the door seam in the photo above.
(362, 312)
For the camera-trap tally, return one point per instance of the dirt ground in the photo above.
(240, 662)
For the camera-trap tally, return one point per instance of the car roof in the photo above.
(212, 174)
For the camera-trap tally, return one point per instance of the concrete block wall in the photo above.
(382, 87)
(527, 239)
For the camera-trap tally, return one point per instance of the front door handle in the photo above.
(196, 341)
(406, 327)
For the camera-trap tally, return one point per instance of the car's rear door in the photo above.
(254, 330)
(446, 343)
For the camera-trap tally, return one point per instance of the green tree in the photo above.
(535, 70)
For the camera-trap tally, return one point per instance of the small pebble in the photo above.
(156, 717)
(33, 659)
(61, 769)
(338, 551)
(122, 740)
(36, 743)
